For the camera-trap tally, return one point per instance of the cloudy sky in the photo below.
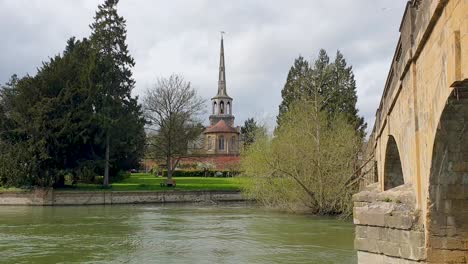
(263, 39)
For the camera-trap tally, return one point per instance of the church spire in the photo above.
(222, 71)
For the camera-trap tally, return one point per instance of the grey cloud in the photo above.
(263, 38)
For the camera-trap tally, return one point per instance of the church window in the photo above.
(233, 143)
(229, 108)
(221, 107)
(214, 108)
(210, 143)
(221, 143)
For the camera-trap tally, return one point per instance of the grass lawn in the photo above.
(148, 182)
(2, 189)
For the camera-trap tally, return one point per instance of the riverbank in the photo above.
(50, 197)
(148, 182)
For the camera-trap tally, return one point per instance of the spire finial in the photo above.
(222, 70)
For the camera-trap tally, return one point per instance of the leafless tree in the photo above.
(173, 109)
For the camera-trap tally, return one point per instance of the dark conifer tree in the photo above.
(295, 86)
(114, 106)
(249, 131)
(343, 86)
(333, 83)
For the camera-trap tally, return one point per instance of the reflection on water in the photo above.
(170, 234)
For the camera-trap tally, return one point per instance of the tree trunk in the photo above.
(106, 166)
(169, 168)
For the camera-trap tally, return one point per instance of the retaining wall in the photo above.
(52, 197)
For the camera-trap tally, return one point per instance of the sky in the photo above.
(263, 37)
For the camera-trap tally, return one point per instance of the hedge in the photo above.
(202, 173)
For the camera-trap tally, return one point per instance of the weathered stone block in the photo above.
(388, 248)
(369, 216)
(399, 221)
(366, 257)
(373, 232)
(394, 235)
(365, 244)
(361, 231)
(383, 234)
(416, 238)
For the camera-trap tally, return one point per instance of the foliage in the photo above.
(334, 82)
(249, 131)
(173, 108)
(295, 86)
(62, 120)
(115, 108)
(309, 163)
(48, 115)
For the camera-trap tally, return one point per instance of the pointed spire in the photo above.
(222, 70)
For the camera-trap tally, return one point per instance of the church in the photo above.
(221, 137)
(220, 142)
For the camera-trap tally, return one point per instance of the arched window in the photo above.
(233, 143)
(221, 143)
(214, 108)
(210, 143)
(221, 107)
(229, 108)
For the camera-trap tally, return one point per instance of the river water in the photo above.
(235, 233)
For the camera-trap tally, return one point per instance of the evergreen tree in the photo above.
(333, 83)
(47, 117)
(295, 86)
(115, 108)
(343, 86)
(249, 131)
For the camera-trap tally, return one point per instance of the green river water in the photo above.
(232, 233)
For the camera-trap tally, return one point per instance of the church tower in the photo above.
(222, 103)
(221, 137)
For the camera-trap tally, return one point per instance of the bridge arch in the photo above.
(393, 172)
(447, 225)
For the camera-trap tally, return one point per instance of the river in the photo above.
(197, 233)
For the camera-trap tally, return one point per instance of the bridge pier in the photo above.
(388, 226)
(417, 209)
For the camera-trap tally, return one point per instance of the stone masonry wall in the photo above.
(388, 227)
(51, 197)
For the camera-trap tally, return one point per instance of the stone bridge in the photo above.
(414, 206)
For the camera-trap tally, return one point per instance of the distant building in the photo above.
(219, 144)
(221, 137)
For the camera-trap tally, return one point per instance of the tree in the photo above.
(343, 85)
(49, 126)
(334, 82)
(173, 108)
(295, 85)
(114, 108)
(49, 117)
(308, 165)
(249, 131)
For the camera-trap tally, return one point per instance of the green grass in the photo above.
(148, 182)
(2, 189)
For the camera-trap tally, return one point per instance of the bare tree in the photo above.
(173, 109)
